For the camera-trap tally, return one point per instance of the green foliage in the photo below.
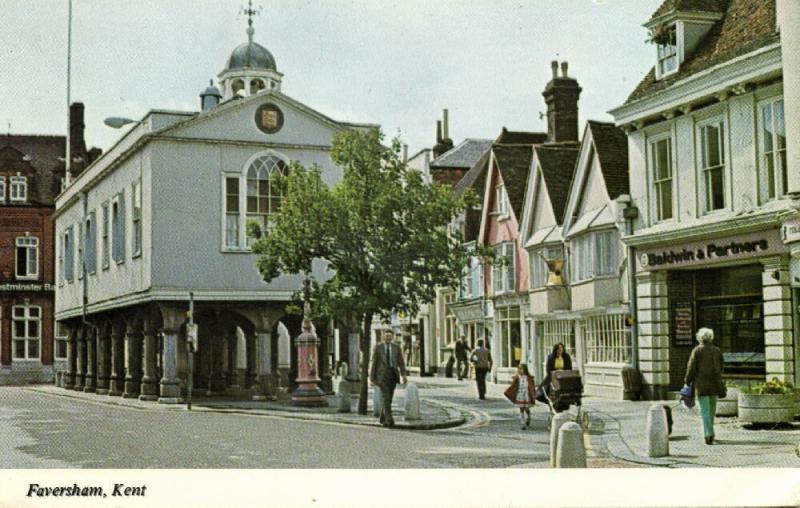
(775, 386)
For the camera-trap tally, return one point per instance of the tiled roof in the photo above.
(746, 26)
(465, 155)
(611, 145)
(46, 158)
(558, 164)
(508, 137)
(474, 179)
(690, 5)
(514, 163)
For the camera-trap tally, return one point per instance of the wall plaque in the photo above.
(269, 118)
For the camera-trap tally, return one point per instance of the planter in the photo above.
(766, 408)
(729, 406)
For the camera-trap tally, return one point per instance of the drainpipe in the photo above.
(631, 213)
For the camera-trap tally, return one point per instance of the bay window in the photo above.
(539, 270)
(594, 254)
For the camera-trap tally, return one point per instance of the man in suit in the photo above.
(482, 359)
(462, 352)
(386, 370)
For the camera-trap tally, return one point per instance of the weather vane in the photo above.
(250, 12)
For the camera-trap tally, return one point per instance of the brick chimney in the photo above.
(561, 96)
(76, 140)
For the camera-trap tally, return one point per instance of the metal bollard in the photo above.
(412, 403)
(570, 451)
(657, 432)
(558, 420)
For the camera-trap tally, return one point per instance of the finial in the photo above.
(250, 11)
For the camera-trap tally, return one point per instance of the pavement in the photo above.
(615, 434)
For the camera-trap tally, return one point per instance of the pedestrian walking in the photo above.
(522, 393)
(482, 359)
(462, 353)
(704, 374)
(386, 370)
(558, 359)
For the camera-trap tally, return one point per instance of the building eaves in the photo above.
(611, 146)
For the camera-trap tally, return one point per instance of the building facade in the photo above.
(715, 191)
(163, 214)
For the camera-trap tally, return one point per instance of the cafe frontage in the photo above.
(737, 285)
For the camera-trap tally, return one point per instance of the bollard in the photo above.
(570, 452)
(412, 403)
(558, 420)
(657, 432)
(343, 392)
(377, 401)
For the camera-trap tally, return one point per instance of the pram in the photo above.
(565, 390)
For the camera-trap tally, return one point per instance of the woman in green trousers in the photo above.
(704, 373)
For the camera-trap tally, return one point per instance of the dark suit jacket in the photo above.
(461, 350)
(380, 373)
(704, 370)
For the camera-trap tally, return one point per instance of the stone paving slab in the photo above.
(433, 415)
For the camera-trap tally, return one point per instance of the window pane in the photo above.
(19, 329)
(33, 311)
(232, 203)
(715, 184)
(22, 261)
(770, 163)
(33, 328)
(712, 144)
(19, 349)
(780, 129)
(252, 204)
(784, 170)
(33, 349)
(767, 127)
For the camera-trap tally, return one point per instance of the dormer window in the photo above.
(666, 37)
(18, 190)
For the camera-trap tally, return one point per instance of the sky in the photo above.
(397, 63)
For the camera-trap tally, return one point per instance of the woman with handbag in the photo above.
(704, 375)
(522, 393)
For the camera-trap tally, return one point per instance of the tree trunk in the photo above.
(365, 351)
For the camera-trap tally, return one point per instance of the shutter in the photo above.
(81, 248)
(91, 250)
(68, 259)
(122, 221)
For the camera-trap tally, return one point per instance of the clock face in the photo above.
(269, 118)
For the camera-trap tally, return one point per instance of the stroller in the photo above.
(565, 390)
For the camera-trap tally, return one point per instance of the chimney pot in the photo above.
(564, 67)
(554, 66)
(445, 125)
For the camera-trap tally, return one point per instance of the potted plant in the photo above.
(769, 402)
(660, 35)
(729, 405)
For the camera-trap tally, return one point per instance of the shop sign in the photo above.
(469, 313)
(683, 326)
(25, 286)
(790, 231)
(711, 251)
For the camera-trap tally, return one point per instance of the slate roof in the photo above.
(611, 146)
(508, 137)
(746, 26)
(514, 163)
(558, 164)
(465, 155)
(44, 153)
(690, 5)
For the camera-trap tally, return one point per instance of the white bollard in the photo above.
(412, 403)
(556, 422)
(377, 401)
(570, 451)
(657, 432)
(343, 391)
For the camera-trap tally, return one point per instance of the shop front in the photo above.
(737, 286)
(507, 346)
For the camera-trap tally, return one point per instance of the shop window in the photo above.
(27, 257)
(774, 169)
(712, 161)
(508, 324)
(551, 333)
(607, 339)
(26, 332)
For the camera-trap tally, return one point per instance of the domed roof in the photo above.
(251, 55)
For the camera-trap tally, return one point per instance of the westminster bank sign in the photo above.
(25, 286)
(713, 251)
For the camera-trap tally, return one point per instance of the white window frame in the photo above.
(658, 208)
(2, 189)
(243, 243)
(118, 228)
(586, 260)
(502, 201)
(26, 317)
(706, 169)
(506, 318)
(539, 280)
(136, 218)
(504, 276)
(18, 189)
(777, 190)
(606, 339)
(29, 244)
(664, 52)
(59, 339)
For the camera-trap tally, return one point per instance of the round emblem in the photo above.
(269, 118)
(644, 260)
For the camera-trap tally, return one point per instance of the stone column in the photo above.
(72, 358)
(170, 386)
(653, 307)
(117, 361)
(263, 387)
(133, 361)
(778, 342)
(241, 360)
(103, 341)
(90, 385)
(149, 387)
(80, 376)
(225, 354)
(284, 357)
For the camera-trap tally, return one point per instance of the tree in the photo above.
(381, 230)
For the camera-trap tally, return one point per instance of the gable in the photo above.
(593, 194)
(542, 208)
(236, 121)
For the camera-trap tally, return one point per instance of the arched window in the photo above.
(237, 85)
(261, 195)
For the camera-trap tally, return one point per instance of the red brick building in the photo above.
(31, 171)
